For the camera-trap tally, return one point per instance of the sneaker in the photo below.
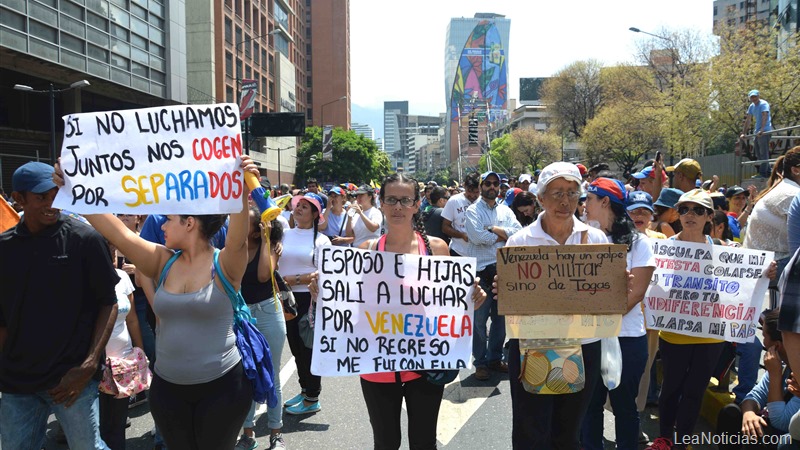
(482, 373)
(499, 366)
(246, 443)
(302, 408)
(643, 437)
(294, 400)
(660, 444)
(276, 442)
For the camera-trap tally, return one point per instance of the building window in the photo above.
(271, 92)
(228, 30)
(229, 94)
(280, 15)
(282, 45)
(229, 63)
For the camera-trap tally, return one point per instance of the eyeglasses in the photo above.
(570, 195)
(697, 210)
(491, 183)
(405, 201)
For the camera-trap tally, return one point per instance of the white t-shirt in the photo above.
(360, 230)
(298, 249)
(283, 221)
(641, 255)
(119, 343)
(455, 210)
(533, 234)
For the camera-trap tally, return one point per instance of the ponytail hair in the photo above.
(623, 230)
(419, 226)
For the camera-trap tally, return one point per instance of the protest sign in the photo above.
(708, 291)
(167, 160)
(389, 312)
(562, 279)
(576, 326)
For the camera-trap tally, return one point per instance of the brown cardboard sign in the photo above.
(562, 279)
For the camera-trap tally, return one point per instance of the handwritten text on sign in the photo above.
(388, 312)
(709, 291)
(562, 279)
(166, 160)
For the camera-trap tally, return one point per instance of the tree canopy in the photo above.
(356, 159)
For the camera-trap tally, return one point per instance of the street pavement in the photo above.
(474, 414)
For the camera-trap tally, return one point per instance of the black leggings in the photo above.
(310, 383)
(384, 404)
(687, 368)
(113, 416)
(201, 416)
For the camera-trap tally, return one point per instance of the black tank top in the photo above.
(253, 290)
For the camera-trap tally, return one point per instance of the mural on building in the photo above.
(481, 82)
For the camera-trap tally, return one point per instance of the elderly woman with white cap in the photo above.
(554, 421)
(297, 265)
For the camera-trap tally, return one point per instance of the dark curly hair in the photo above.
(419, 225)
(623, 231)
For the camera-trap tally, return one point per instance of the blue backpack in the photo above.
(256, 357)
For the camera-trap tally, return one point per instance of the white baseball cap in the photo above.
(559, 169)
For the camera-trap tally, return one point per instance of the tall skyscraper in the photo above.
(395, 118)
(476, 82)
(364, 130)
(328, 62)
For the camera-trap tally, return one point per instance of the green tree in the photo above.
(748, 59)
(573, 96)
(623, 133)
(500, 150)
(530, 149)
(356, 159)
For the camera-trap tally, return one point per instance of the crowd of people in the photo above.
(128, 284)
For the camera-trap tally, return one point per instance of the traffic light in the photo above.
(472, 131)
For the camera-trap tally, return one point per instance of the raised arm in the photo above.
(233, 258)
(148, 257)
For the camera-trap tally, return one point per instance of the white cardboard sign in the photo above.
(708, 291)
(389, 312)
(165, 160)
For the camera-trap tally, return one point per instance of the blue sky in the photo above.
(397, 47)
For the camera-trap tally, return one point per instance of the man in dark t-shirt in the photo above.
(57, 309)
(432, 217)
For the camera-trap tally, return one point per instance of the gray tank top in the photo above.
(196, 343)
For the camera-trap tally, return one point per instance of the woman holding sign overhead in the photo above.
(200, 394)
(687, 361)
(606, 209)
(385, 392)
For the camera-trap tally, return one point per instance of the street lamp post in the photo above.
(322, 109)
(52, 91)
(279, 150)
(636, 30)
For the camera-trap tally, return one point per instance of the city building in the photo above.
(474, 44)
(328, 62)
(363, 129)
(395, 115)
(132, 53)
(419, 131)
(738, 13)
(265, 41)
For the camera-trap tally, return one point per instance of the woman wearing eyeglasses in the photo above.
(554, 421)
(687, 362)
(384, 393)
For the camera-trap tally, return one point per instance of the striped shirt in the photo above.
(483, 244)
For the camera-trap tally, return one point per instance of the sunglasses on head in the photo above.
(697, 210)
(488, 183)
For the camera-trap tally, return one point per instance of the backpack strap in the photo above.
(168, 266)
(240, 308)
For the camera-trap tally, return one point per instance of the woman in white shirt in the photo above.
(125, 335)
(367, 220)
(606, 209)
(298, 262)
(553, 421)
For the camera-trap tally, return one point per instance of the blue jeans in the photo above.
(23, 420)
(482, 354)
(623, 400)
(761, 150)
(749, 360)
(273, 326)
